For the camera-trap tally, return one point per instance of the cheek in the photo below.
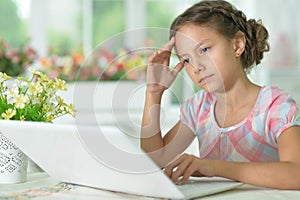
(191, 72)
(214, 64)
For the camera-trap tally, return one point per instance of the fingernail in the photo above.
(178, 182)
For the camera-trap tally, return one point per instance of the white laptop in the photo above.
(101, 157)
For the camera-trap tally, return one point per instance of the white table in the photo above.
(40, 186)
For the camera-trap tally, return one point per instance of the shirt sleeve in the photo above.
(189, 111)
(187, 115)
(283, 114)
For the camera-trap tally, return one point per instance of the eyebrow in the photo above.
(196, 47)
(201, 43)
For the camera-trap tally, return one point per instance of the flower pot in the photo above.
(109, 102)
(98, 96)
(13, 162)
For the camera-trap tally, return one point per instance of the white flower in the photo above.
(17, 85)
(35, 88)
(60, 84)
(49, 108)
(34, 72)
(10, 94)
(34, 99)
(4, 77)
(9, 113)
(20, 100)
(50, 94)
(71, 110)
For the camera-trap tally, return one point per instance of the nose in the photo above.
(194, 64)
(197, 68)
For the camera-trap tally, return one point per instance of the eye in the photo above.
(204, 50)
(186, 60)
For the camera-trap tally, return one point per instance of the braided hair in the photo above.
(228, 20)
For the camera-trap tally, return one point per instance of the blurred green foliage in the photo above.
(108, 19)
(13, 28)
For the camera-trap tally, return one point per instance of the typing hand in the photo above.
(159, 75)
(187, 165)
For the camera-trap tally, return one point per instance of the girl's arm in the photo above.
(284, 174)
(164, 149)
(159, 78)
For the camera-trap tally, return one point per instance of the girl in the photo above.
(246, 132)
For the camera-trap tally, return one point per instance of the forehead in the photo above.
(189, 36)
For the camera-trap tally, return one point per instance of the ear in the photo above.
(239, 43)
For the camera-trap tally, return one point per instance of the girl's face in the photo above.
(209, 58)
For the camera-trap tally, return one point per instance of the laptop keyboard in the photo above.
(196, 187)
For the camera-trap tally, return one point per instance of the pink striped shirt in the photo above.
(254, 138)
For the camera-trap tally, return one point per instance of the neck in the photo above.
(238, 95)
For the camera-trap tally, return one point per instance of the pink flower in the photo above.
(120, 66)
(9, 54)
(15, 51)
(53, 74)
(132, 75)
(96, 71)
(27, 49)
(5, 45)
(15, 59)
(84, 73)
(110, 70)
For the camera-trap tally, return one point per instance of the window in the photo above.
(107, 19)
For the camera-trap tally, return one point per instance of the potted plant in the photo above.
(34, 99)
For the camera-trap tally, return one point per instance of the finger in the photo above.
(191, 170)
(150, 59)
(178, 68)
(166, 55)
(162, 57)
(169, 170)
(173, 167)
(186, 175)
(180, 170)
(170, 167)
(166, 48)
(183, 180)
(169, 46)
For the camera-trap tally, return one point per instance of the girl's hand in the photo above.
(159, 76)
(187, 165)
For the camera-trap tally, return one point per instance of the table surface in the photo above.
(40, 186)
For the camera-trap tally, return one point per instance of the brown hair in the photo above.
(227, 20)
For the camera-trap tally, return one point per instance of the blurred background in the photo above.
(63, 33)
(58, 27)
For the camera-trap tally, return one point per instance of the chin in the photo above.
(213, 88)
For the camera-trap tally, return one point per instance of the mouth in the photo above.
(205, 78)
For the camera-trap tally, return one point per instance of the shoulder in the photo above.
(196, 107)
(201, 100)
(272, 96)
(273, 92)
(279, 110)
(276, 105)
(200, 97)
